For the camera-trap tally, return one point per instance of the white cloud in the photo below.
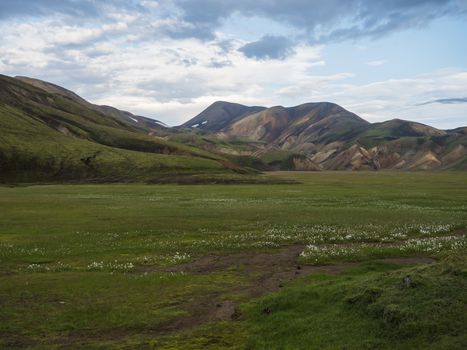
(399, 98)
(73, 35)
(182, 81)
(129, 62)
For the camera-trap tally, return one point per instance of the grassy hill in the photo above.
(55, 136)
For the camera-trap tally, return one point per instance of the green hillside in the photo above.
(51, 137)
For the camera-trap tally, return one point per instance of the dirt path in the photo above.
(265, 273)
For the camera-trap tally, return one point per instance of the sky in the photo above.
(170, 59)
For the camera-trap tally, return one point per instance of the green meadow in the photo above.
(337, 260)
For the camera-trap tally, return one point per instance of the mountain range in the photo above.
(48, 133)
(325, 136)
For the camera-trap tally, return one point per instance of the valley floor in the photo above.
(339, 260)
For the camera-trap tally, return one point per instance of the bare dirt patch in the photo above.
(265, 273)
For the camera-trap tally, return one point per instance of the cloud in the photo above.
(182, 90)
(167, 90)
(320, 21)
(268, 47)
(447, 101)
(169, 59)
(396, 98)
(33, 8)
(78, 10)
(314, 21)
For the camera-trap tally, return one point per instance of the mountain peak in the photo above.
(318, 120)
(52, 88)
(219, 115)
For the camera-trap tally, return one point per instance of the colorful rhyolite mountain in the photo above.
(325, 136)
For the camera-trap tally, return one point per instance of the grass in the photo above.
(367, 308)
(86, 265)
(51, 138)
(31, 151)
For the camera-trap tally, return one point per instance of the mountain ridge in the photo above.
(124, 116)
(48, 130)
(219, 114)
(322, 134)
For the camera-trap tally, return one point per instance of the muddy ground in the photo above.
(265, 272)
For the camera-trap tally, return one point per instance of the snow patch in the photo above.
(199, 124)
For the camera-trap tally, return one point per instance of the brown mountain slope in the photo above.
(328, 136)
(219, 115)
(291, 127)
